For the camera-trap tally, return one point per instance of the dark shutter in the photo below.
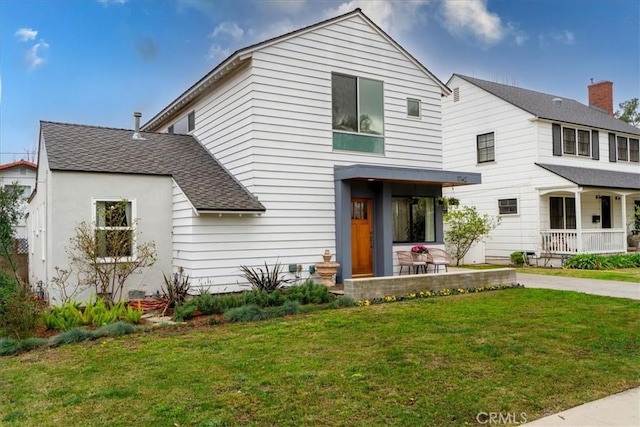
(595, 145)
(612, 147)
(557, 139)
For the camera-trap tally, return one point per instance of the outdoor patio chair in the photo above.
(407, 259)
(438, 257)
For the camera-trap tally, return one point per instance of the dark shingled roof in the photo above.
(207, 184)
(595, 177)
(541, 105)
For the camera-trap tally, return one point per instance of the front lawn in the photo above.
(437, 361)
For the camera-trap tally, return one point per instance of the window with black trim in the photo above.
(562, 213)
(622, 148)
(634, 150)
(507, 206)
(413, 108)
(414, 219)
(191, 121)
(568, 141)
(584, 143)
(485, 147)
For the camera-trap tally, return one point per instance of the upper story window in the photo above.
(573, 141)
(485, 147)
(185, 125)
(623, 149)
(508, 206)
(413, 108)
(414, 219)
(358, 114)
(170, 129)
(114, 227)
(191, 121)
(634, 150)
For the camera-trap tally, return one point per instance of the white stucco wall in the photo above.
(71, 202)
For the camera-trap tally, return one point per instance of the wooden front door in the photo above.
(361, 237)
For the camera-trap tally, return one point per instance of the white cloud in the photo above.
(473, 17)
(286, 6)
(32, 57)
(26, 34)
(112, 1)
(564, 37)
(218, 53)
(519, 37)
(228, 29)
(387, 14)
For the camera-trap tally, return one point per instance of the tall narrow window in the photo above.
(634, 150)
(413, 219)
(569, 141)
(485, 147)
(114, 229)
(358, 114)
(584, 143)
(191, 118)
(622, 148)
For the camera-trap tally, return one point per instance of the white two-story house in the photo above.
(329, 137)
(563, 177)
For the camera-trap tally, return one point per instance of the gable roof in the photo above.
(241, 55)
(541, 105)
(205, 182)
(19, 163)
(595, 177)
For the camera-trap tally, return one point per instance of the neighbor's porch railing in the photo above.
(592, 241)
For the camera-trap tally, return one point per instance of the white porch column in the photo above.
(623, 200)
(579, 219)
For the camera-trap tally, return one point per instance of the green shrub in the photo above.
(309, 293)
(517, 258)
(246, 313)
(133, 315)
(345, 301)
(114, 330)
(257, 297)
(288, 308)
(9, 346)
(33, 342)
(71, 336)
(207, 304)
(184, 312)
(19, 311)
(176, 288)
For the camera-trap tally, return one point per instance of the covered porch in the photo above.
(589, 219)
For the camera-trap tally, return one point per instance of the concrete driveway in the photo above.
(607, 288)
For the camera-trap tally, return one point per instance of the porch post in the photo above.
(623, 200)
(579, 220)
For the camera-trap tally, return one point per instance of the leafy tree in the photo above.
(629, 112)
(466, 227)
(11, 211)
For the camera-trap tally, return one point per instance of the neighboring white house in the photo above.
(23, 174)
(564, 177)
(334, 128)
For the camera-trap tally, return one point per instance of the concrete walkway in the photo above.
(607, 288)
(619, 410)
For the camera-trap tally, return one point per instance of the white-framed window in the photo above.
(413, 108)
(584, 143)
(622, 144)
(414, 219)
(485, 145)
(24, 190)
(576, 142)
(508, 206)
(114, 228)
(357, 113)
(568, 141)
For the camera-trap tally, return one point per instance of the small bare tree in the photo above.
(106, 253)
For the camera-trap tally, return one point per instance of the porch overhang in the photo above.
(411, 175)
(597, 178)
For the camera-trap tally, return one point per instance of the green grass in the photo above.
(621, 275)
(434, 362)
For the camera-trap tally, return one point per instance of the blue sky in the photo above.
(97, 61)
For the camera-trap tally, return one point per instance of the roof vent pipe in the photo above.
(557, 102)
(136, 134)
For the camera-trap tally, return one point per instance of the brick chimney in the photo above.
(601, 96)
